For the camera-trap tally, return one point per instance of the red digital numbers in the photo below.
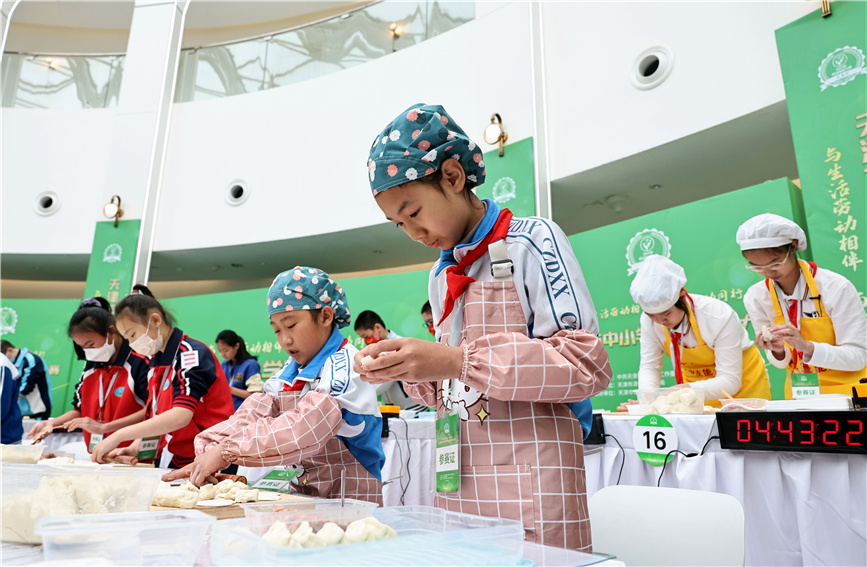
(787, 431)
(836, 425)
(860, 425)
(810, 431)
(746, 438)
(766, 430)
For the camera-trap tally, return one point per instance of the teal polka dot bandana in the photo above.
(307, 288)
(415, 144)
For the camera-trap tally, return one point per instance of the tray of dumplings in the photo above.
(325, 533)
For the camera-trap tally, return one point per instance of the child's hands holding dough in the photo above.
(408, 360)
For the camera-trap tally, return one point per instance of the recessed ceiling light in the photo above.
(656, 186)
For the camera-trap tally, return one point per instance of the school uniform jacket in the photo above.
(187, 375)
(35, 383)
(124, 384)
(320, 419)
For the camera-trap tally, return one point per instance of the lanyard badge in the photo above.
(448, 466)
(805, 385)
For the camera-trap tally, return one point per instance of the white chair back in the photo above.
(644, 525)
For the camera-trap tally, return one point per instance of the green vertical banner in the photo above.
(112, 260)
(825, 76)
(510, 180)
(39, 325)
(700, 236)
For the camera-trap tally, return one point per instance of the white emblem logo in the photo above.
(8, 320)
(646, 243)
(841, 66)
(112, 253)
(504, 190)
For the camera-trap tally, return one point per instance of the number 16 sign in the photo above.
(654, 437)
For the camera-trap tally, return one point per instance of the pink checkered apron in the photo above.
(519, 460)
(320, 472)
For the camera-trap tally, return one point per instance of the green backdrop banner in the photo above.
(510, 180)
(699, 236)
(825, 75)
(40, 326)
(397, 298)
(112, 259)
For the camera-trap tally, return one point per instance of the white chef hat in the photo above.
(769, 231)
(657, 284)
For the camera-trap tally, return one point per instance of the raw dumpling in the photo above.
(767, 334)
(378, 530)
(278, 534)
(357, 531)
(367, 360)
(246, 496)
(189, 486)
(225, 486)
(303, 536)
(176, 498)
(329, 534)
(208, 492)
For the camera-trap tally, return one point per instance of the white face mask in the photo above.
(146, 346)
(100, 354)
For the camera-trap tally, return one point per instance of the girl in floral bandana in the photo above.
(316, 414)
(517, 355)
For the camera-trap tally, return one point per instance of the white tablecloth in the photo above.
(800, 508)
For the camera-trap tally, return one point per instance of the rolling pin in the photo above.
(219, 477)
(124, 460)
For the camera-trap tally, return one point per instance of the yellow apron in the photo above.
(818, 330)
(699, 363)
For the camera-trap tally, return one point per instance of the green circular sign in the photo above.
(654, 439)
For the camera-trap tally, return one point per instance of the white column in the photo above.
(540, 112)
(143, 114)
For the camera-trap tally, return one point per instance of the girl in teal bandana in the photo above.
(316, 414)
(517, 356)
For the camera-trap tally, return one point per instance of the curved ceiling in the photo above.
(117, 14)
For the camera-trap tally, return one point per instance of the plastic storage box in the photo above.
(317, 511)
(671, 400)
(21, 454)
(426, 536)
(748, 404)
(140, 538)
(35, 491)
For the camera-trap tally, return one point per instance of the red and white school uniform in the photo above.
(107, 392)
(187, 374)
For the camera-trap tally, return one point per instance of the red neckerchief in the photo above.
(298, 385)
(456, 281)
(675, 342)
(792, 310)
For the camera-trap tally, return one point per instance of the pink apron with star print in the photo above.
(522, 455)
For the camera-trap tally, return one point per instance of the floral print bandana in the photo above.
(415, 144)
(307, 288)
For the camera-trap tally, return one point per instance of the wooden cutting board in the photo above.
(231, 511)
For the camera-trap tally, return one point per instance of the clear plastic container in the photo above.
(747, 404)
(140, 538)
(662, 401)
(26, 454)
(427, 536)
(317, 511)
(35, 491)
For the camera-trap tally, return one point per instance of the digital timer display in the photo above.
(806, 431)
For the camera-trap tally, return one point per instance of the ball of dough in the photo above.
(225, 486)
(679, 408)
(767, 334)
(366, 360)
(689, 397)
(189, 486)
